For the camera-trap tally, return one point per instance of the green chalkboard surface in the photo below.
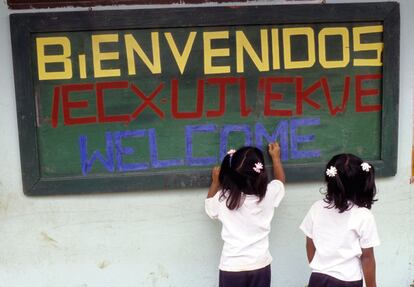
(127, 100)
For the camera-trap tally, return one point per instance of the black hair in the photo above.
(351, 184)
(238, 178)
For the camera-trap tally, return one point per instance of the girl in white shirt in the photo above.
(245, 207)
(340, 230)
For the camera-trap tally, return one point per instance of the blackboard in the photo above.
(111, 101)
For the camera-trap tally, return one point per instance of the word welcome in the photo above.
(267, 86)
(114, 157)
(267, 47)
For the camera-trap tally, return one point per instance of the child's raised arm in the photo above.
(274, 152)
(215, 183)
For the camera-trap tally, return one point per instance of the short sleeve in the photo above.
(277, 188)
(211, 206)
(307, 224)
(368, 231)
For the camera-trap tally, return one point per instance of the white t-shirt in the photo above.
(338, 238)
(246, 230)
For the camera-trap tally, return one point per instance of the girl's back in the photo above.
(243, 200)
(245, 230)
(338, 238)
(340, 229)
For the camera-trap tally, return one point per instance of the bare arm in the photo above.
(368, 266)
(215, 183)
(274, 152)
(310, 249)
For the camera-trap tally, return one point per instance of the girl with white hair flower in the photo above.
(340, 229)
(242, 198)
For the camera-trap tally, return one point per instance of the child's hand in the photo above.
(278, 172)
(215, 175)
(274, 150)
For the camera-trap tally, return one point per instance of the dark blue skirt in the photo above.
(253, 278)
(323, 280)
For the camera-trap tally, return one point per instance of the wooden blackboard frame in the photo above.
(30, 4)
(24, 25)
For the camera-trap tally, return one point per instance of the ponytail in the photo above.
(370, 190)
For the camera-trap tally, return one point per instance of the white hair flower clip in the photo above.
(365, 166)
(258, 166)
(231, 152)
(332, 171)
